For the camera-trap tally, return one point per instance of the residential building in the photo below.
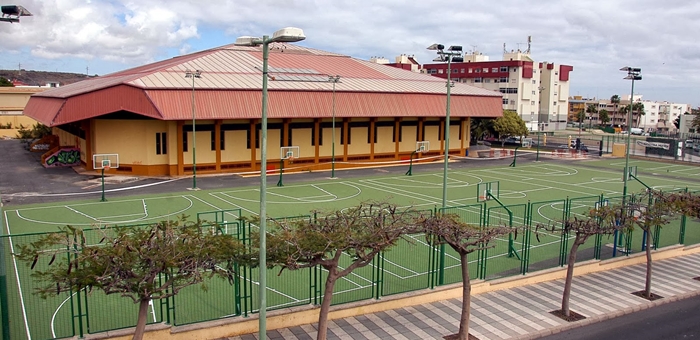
(537, 91)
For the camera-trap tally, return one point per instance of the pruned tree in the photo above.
(604, 220)
(510, 124)
(656, 208)
(128, 261)
(615, 100)
(464, 239)
(359, 233)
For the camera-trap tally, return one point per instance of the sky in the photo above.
(596, 37)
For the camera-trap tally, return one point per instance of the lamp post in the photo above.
(194, 75)
(288, 34)
(632, 74)
(453, 53)
(333, 80)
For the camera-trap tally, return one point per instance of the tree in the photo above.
(360, 232)
(604, 116)
(615, 100)
(638, 112)
(591, 109)
(128, 261)
(600, 221)
(695, 124)
(464, 239)
(655, 209)
(5, 83)
(481, 127)
(510, 124)
(677, 122)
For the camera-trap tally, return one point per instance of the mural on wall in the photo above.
(63, 157)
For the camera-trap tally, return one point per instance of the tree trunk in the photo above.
(569, 278)
(326, 306)
(647, 284)
(463, 333)
(143, 317)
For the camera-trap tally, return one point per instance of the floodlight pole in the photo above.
(4, 307)
(193, 75)
(289, 34)
(334, 80)
(453, 52)
(632, 74)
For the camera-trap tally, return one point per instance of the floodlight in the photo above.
(247, 41)
(288, 34)
(455, 48)
(436, 47)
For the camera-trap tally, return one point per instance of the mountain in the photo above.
(41, 78)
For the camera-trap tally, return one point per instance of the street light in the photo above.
(12, 13)
(333, 80)
(632, 74)
(453, 53)
(288, 34)
(194, 75)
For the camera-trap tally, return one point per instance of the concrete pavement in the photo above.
(518, 313)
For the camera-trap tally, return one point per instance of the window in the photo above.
(486, 70)
(431, 71)
(462, 71)
(441, 71)
(533, 92)
(515, 69)
(494, 70)
(470, 71)
(534, 82)
(512, 80)
(222, 142)
(512, 102)
(504, 69)
(503, 80)
(532, 102)
(505, 101)
(478, 70)
(455, 71)
(554, 103)
(184, 140)
(488, 80)
(161, 143)
(477, 80)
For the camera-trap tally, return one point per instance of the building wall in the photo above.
(12, 103)
(136, 143)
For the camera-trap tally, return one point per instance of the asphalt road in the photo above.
(671, 321)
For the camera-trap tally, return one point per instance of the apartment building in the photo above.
(537, 91)
(658, 115)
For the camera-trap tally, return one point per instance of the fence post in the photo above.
(4, 308)
(527, 227)
(378, 274)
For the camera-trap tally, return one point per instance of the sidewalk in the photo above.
(518, 313)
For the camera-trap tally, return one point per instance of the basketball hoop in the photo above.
(291, 160)
(106, 168)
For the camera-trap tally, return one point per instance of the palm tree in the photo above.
(637, 112)
(604, 116)
(591, 109)
(615, 100)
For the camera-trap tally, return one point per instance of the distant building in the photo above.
(537, 91)
(658, 115)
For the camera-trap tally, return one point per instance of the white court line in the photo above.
(19, 285)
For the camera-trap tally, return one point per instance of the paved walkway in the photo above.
(518, 313)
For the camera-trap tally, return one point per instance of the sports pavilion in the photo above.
(146, 114)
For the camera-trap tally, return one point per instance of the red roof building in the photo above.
(145, 114)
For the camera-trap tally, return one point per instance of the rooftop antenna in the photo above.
(529, 42)
(504, 48)
(473, 49)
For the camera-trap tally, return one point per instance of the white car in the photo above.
(688, 143)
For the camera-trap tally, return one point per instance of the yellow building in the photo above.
(147, 114)
(12, 103)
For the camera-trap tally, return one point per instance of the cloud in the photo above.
(597, 37)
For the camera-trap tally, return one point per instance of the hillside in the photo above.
(41, 78)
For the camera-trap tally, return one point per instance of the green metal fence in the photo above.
(414, 264)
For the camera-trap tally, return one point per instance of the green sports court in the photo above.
(528, 194)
